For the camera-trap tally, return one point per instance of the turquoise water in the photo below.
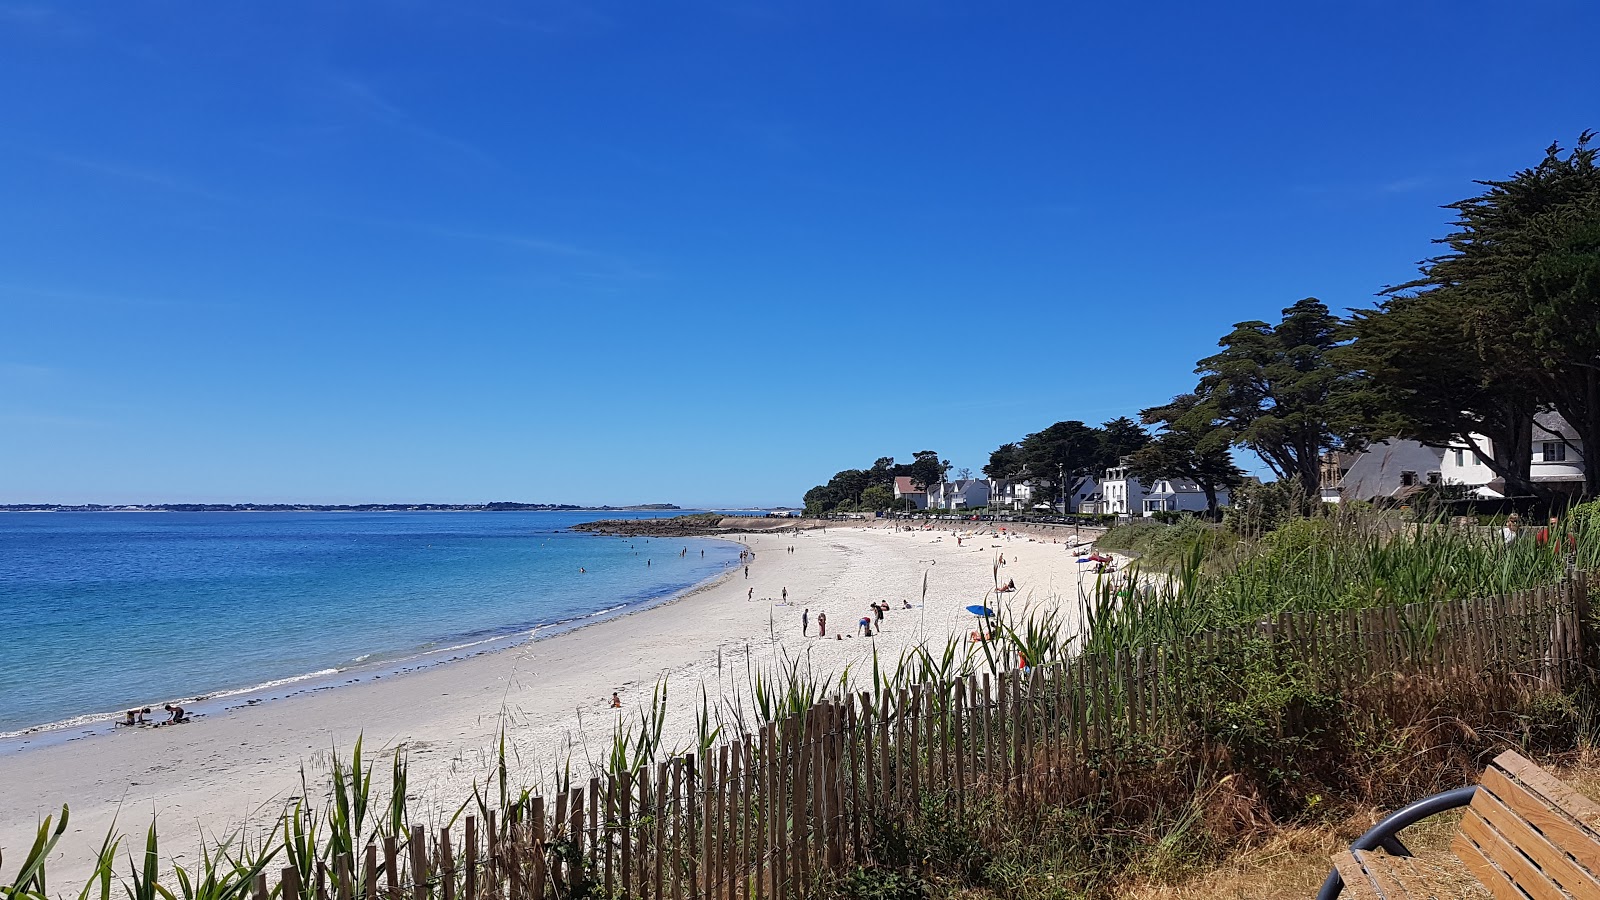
(103, 611)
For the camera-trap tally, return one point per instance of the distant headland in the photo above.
(502, 506)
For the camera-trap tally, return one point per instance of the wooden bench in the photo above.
(1525, 836)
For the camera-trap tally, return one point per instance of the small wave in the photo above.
(362, 658)
(269, 685)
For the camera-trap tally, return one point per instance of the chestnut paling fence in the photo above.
(772, 813)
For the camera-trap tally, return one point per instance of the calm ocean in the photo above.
(103, 611)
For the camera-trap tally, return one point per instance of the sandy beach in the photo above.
(551, 696)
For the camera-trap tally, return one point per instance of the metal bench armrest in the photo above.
(1385, 834)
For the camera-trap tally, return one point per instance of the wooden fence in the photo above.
(767, 815)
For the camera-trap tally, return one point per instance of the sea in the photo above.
(105, 611)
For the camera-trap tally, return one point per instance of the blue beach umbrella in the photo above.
(980, 610)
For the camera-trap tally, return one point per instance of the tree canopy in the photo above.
(1275, 390)
(1190, 445)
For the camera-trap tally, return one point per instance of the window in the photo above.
(1408, 478)
(1461, 458)
(1555, 451)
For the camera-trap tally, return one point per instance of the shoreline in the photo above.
(547, 698)
(212, 704)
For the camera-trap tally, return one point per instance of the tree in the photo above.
(1062, 454)
(1522, 279)
(877, 497)
(1191, 446)
(927, 468)
(882, 471)
(1004, 462)
(1120, 437)
(1274, 390)
(1432, 368)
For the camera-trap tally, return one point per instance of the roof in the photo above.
(1378, 473)
(1550, 426)
(904, 484)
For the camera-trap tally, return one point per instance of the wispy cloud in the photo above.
(1406, 185)
(367, 102)
(17, 293)
(1403, 185)
(133, 173)
(26, 372)
(46, 420)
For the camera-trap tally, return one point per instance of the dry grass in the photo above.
(1292, 863)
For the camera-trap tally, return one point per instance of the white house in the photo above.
(969, 493)
(1011, 493)
(1121, 494)
(907, 489)
(1178, 495)
(1394, 469)
(1087, 492)
(1558, 461)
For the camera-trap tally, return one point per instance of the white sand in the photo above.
(552, 695)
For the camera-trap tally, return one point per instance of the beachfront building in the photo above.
(1394, 469)
(907, 489)
(1121, 494)
(1390, 471)
(1179, 495)
(1011, 493)
(1086, 492)
(967, 493)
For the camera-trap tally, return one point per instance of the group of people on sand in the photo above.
(863, 626)
(138, 716)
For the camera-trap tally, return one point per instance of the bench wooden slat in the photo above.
(1497, 882)
(1391, 875)
(1573, 803)
(1521, 873)
(1539, 831)
(1354, 874)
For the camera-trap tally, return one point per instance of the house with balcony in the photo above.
(1121, 493)
(1012, 493)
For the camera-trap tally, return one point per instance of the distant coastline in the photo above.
(329, 507)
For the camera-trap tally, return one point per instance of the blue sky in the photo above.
(698, 253)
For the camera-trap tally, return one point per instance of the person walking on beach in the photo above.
(747, 571)
(822, 624)
(751, 595)
(786, 595)
(805, 621)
